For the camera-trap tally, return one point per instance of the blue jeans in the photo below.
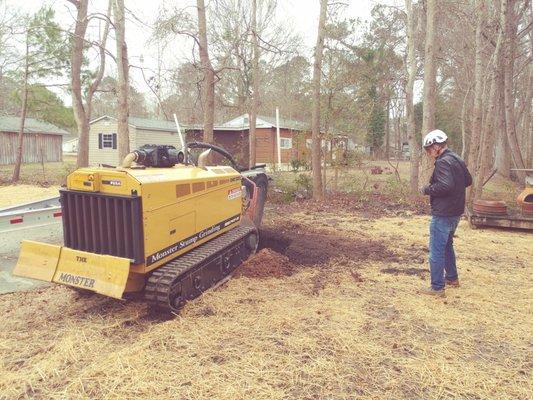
(441, 254)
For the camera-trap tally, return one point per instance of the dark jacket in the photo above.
(448, 185)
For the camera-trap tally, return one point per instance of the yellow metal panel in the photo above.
(100, 273)
(180, 227)
(37, 260)
(85, 180)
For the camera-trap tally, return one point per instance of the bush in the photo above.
(353, 158)
(304, 182)
(286, 188)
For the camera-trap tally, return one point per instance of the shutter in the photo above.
(100, 138)
(114, 140)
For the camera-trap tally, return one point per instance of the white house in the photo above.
(103, 137)
(70, 144)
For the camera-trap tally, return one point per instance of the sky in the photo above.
(301, 14)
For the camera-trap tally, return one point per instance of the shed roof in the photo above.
(145, 123)
(31, 125)
(243, 122)
(160, 124)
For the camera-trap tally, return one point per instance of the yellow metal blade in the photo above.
(37, 260)
(103, 274)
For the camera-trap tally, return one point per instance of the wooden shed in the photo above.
(41, 142)
(295, 138)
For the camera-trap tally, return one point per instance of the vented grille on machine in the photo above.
(103, 224)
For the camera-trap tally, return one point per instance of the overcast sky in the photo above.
(302, 15)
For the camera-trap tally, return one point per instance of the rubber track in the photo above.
(162, 279)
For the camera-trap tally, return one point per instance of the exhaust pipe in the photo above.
(202, 158)
(129, 159)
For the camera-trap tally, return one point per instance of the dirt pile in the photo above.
(266, 264)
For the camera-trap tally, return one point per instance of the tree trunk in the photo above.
(524, 117)
(387, 129)
(255, 84)
(528, 141)
(509, 23)
(82, 112)
(23, 110)
(76, 60)
(463, 124)
(502, 157)
(122, 82)
(487, 134)
(477, 113)
(430, 84)
(208, 86)
(414, 146)
(315, 119)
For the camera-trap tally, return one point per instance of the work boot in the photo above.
(432, 292)
(453, 284)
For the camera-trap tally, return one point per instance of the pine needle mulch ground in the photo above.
(329, 311)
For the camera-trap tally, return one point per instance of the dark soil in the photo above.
(305, 246)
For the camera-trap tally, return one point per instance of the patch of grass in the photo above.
(53, 174)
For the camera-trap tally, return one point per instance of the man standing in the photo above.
(447, 190)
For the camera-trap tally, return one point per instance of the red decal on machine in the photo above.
(234, 193)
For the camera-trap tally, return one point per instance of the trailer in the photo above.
(513, 219)
(37, 213)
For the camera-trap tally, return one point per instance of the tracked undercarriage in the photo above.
(186, 277)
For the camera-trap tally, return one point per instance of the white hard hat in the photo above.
(435, 136)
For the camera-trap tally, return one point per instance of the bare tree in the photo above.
(414, 146)
(509, 24)
(23, 111)
(486, 142)
(430, 84)
(83, 108)
(255, 84)
(208, 84)
(122, 81)
(315, 120)
(475, 134)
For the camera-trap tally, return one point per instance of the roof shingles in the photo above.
(31, 125)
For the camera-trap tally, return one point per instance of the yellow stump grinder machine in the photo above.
(162, 223)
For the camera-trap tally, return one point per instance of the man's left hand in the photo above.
(422, 190)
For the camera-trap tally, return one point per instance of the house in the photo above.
(295, 138)
(70, 144)
(41, 141)
(294, 143)
(103, 137)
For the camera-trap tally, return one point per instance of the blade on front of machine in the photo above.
(37, 260)
(99, 273)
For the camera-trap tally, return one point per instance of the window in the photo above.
(285, 143)
(308, 143)
(107, 140)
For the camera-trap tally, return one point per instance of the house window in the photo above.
(107, 140)
(285, 143)
(308, 143)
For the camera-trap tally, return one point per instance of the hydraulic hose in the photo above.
(220, 150)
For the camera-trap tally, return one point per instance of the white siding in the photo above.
(105, 156)
(157, 137)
